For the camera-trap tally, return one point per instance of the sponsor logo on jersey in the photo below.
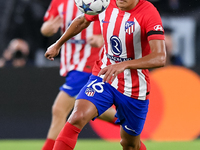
(90, 92)
(119, 59)
(116, 45)
(116, 48)
(130, 27)
(158, 28)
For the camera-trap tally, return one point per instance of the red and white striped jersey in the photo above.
(126, 35)
(75, 54)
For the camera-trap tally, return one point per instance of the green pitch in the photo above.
(99, 145)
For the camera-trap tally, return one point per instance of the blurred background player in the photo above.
(76, 63)
(16, 54)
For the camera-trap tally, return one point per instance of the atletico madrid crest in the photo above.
(90, 92)
(130, 27)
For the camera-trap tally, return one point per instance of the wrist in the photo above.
(58, 44)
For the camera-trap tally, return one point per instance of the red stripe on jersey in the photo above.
(146, 73)
(129, 43)
(135, 83)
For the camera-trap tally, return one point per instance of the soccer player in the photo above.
(77, 60)
(134, 42)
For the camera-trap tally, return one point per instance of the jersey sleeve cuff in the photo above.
(156, 37)
(91, 17)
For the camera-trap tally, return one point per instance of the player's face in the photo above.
(126, 5)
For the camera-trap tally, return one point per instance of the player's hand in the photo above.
(110, 72)
(52, 52)
(95, 40)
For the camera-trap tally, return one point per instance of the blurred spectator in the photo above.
(23, 19)
(175, 7)
(172, 58)
(16, 54)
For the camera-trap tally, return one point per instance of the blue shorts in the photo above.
(74, 81)
(131, 113)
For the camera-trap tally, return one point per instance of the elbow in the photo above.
(47, 30)
(45, 33)
(162, 60)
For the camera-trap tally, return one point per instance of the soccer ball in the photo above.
(92, 7)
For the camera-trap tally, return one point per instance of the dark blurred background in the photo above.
(26, 94)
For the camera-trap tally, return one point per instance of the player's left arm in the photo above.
(155, 59)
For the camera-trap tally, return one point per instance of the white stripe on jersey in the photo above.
(68, 54)
(127, 83)
(138, 54)
(104, 59)
(60, 9)
(87, 52)
(142, 85)
(127, 73)
(111, 28)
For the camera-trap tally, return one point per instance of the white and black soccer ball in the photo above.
(92, 7)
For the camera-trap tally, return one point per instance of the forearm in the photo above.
(157, 58)
(147, 62)
(76, 27)
(48, 29)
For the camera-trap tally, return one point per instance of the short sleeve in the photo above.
(52, 10)
(91, 17)
(154, 27)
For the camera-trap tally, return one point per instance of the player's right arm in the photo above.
(51, 26)
(53, 19)
(77, 25)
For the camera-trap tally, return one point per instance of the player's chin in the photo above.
(121, 4)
